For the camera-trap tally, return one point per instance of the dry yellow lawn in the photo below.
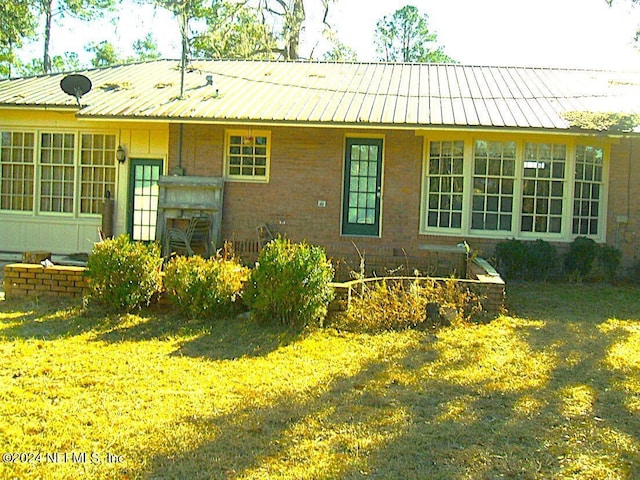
(550, 391)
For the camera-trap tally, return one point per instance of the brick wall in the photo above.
(22, 279)
(623, 209)
(307, 167)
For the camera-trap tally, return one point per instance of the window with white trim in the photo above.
(17, 153)
(97, 170)
(588, 190)
(543, 187)
(445, 185)
(47, 171)
(514, 189)
(57, 172)
(247, 155)
(494, 171)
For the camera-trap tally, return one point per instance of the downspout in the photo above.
(178, 171)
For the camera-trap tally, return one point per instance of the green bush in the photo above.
(205, 287)
(511, 257)
(124, 275)
(398, 304)
(609, 259)
(541, 260)
(580, 257)
(588, 260)
(290, 283)
(526, 260)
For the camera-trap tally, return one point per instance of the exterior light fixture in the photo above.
(121, 154)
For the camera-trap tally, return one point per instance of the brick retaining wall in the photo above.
(491, 290)
(23, 279)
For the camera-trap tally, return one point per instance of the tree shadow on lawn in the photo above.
(47, 319)
(214, 339)
(269, 439)
(230, 339)
(440, 410)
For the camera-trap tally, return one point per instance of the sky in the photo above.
(554, 33)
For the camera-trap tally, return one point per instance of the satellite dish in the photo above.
(76, 86)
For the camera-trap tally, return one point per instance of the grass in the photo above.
(551, 390)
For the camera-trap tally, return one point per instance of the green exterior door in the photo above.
(143, 198)
(362, 187)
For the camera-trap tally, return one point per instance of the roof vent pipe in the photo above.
(209, 79)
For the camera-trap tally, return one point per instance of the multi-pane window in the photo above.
(17, 170)
(248, 155)
(445, 184)
(543, 187)
(97, 170)
(519, 189)
(494, 171)
(588, 190)
(57, 172)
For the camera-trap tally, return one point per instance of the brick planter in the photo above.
(22, 280)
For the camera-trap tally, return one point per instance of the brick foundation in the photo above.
(22, 280)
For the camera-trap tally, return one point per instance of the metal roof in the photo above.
(377, 94)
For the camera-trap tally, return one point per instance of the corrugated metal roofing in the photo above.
(407, 95)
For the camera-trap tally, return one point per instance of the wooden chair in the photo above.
(197, 234)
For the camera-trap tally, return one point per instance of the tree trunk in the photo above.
(296, 20)
(46, 59)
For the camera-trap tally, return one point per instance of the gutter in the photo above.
(420, 130)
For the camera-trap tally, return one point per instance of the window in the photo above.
(17, 171)
(46, 172)
(588, 190)
(56, 172)
(494, 169)
(543, 188)
(445, 185)
(97, 170)
(489, 187)
(247, 155)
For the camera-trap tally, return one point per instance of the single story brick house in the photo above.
(394, 160)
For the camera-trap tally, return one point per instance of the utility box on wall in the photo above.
(181, 198)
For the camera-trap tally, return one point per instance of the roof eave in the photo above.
(39, 107)
(420, 129)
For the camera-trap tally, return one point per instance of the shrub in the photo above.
(580, 257)
(205, 287)
(290, 283)
(609, 259)
(541, 260)
(394, 304)
(511, 257)
(124, 275)
(526, 260)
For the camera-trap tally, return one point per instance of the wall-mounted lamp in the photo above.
(121, 154)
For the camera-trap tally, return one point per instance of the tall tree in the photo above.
(104, 54)
(18, 23)
(290, 16)
(81, 9)
(59, 63)
(234, 30)
(405, 37)
(184, 11)
(339, 51)
(146, 49)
